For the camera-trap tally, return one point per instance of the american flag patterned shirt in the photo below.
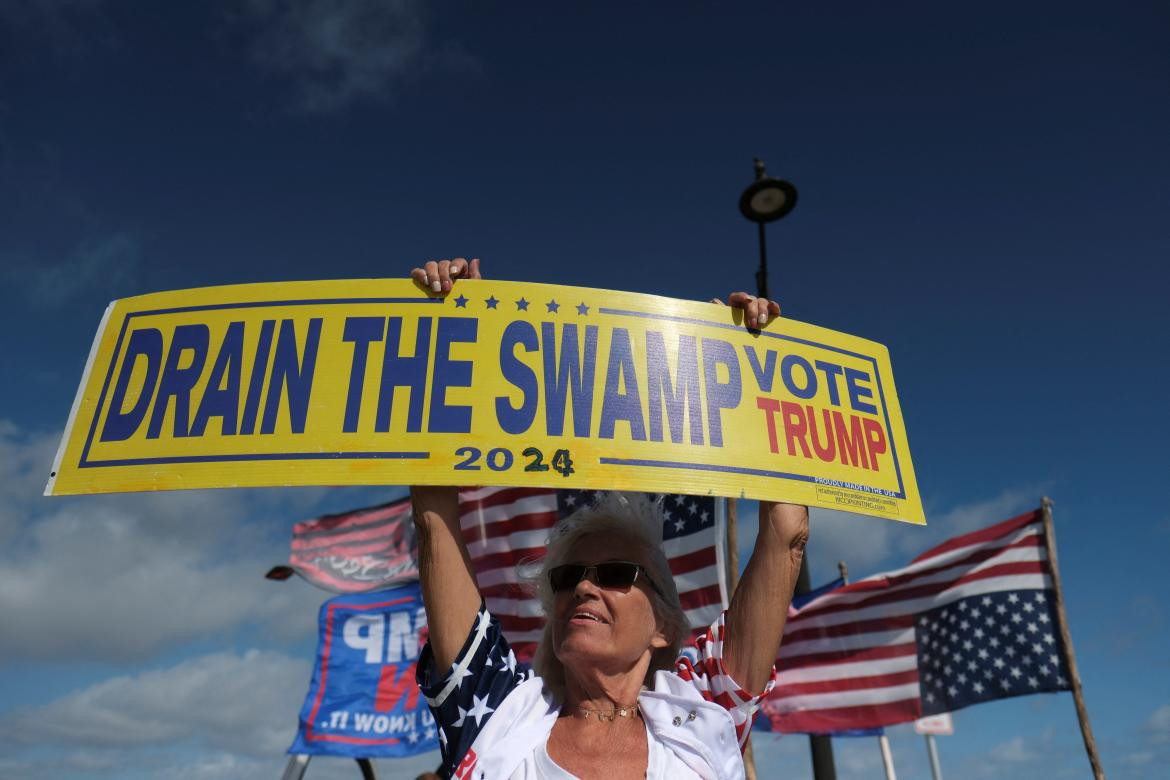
(486, 672)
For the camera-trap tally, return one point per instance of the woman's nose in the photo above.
(588, 581)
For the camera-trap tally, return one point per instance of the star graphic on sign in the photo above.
(692, 507)
(460, 303)
(429, 733)
(522, 305)
(479, 709)
(582, 309)
(679, 524)
(553, 306)
(491, 301)
(704, 516)
(412, 737)
(462, 715)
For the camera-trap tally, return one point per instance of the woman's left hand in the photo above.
(756, 311)
(439, 276)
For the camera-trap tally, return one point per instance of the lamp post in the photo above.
(767, 200)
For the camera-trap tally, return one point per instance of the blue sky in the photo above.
(982, 189)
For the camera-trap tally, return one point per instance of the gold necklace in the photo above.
(617, 712)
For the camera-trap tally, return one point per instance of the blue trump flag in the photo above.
(363, 701)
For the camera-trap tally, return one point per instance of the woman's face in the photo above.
(607, 629)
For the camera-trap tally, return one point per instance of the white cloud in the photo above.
(869, 545)
(1158, 724)
(121, 577)
(219, 715)
(242, 703)
(341, 52)
(1139, 758)
(1016, 750)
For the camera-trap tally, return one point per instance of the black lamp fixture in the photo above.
(766, 200)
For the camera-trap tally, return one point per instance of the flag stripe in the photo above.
(1029, 520)
(848, 684)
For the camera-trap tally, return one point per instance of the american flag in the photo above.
(354, 552)
(969, 621)
(507, 527)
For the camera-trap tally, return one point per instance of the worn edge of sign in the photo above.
(66, 435)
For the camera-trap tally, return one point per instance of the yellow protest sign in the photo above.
(367, 382)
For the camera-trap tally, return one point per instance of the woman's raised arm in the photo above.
(759, 608)
(449, 591)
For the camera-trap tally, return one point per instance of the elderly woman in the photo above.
(608, 695)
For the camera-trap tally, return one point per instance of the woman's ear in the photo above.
(659, 640)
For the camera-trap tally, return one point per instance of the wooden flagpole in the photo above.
(1066, 641)
(749, 759)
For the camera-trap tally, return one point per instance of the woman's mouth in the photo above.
(584, 618)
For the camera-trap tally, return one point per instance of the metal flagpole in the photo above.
(1066, 641)
(749, 759)
(932, 751)
(887, 757)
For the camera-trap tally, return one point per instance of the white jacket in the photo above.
(700, 733)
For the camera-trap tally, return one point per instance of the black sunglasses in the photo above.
(611, 574)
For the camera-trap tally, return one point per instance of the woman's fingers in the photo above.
(444, 276)
(756, 311)
(439, 276)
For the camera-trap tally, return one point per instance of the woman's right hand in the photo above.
(438, 276)
(449, 590)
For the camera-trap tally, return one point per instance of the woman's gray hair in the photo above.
(630, 518)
